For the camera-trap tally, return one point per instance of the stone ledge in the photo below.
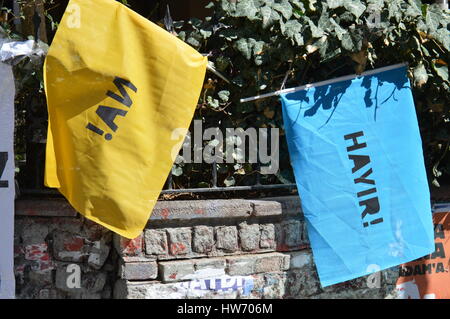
(44, 208)
(178, 210)
(290, 205)
(214, 208)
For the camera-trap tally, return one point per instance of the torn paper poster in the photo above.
(356, 151)
(7, 282)
(219, 285)
(429, 277)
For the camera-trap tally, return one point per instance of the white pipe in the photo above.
(307, 86)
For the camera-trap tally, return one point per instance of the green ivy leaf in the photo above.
(196, 23)
(243, 46)
(413, 10)
(433, 17)
(324, 22)
(338, 29)
(395, 11)
(322, 44)
(246, 8)
(258, 47)
(329, 48)
(229, 181)
(193, 41)
(298, 4)
(293, 31)
(347, 42)
(351, 42)
(205, 33)
(284, 8)
(285, 176)
(222, 63)
(282, 26)
(442, 71)
(224, 95)
(177, 170)
(182, 35)
(258, 53)
(345, 17)
(315, 31)
(214, 103)
(375, 5)
(178, 24)
(425, 51)
(443, 36)
(298, 9)
(203, 185)
(333, 4)
(355, 7)
(267, 17)
(311, 5)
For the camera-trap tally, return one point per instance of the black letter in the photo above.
(108, 114)
(417, 270)
(407, 271)
(439, 231)
(355, 145)
(426, 269)
(3, 161)
(439, 251)
(367, 192)
(359, 161)
(372, 206)
(363, 179)
(125, 100)
(440, 267)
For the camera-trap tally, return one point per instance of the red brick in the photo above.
(129, 247)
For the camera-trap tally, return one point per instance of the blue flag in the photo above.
(356, 152)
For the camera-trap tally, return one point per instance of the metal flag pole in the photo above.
(307, 86)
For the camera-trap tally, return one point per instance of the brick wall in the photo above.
(190, 249)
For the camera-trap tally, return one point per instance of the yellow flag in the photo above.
(117, 86)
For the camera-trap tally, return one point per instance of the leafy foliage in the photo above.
(262, 45)
(258, 43)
